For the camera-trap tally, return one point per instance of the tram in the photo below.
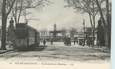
(26, 37)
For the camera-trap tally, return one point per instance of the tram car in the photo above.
(26, 37)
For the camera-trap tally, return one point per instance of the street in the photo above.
(58, 52)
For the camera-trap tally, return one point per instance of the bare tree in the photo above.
(92, 7)
(6, 9)
(87, 6)
(21, 6)
(106, 21)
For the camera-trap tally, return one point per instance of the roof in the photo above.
(24, 25)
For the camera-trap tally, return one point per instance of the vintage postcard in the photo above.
(55, 34)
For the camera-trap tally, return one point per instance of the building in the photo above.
(44, 34)
(86, 37)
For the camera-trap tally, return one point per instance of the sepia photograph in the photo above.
(65, 34)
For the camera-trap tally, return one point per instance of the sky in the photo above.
(56, 13)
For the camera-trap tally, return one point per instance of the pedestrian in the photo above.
(74, 41)
(100, 34)
(44, 42)
(51, 41)
(69, 41)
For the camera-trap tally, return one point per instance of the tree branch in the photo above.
(10, 7)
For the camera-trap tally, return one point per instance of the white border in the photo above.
(113, 35)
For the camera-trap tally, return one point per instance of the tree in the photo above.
(6, 9)
(21, 6)
(92, 7)
(17, 10)
(87, 6)
(106, 21)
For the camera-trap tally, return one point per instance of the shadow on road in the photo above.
(32, 48)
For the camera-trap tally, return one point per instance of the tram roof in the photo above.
(25, 25)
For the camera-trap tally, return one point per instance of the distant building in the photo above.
(45, 35)
(84, 37)
(79, 38)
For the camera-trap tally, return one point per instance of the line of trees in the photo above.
(94, 8)
(16, 9)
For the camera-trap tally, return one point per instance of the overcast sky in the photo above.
(55, 13)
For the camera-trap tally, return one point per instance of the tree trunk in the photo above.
(108, 19)
(3, 43)
(4, 21)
